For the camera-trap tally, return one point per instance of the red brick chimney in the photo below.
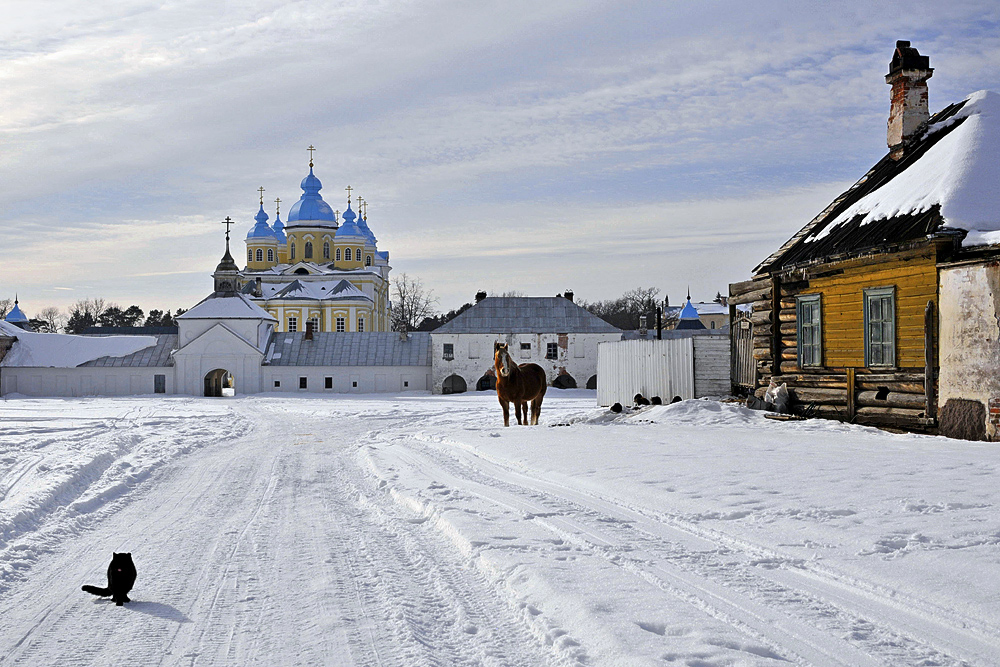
(309, 330)
(908, 74)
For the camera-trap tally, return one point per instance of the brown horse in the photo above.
(518, 384)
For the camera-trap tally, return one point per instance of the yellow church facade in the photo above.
(319, 267)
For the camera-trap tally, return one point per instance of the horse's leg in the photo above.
(518, 408)
(536, 407)
(506, 412)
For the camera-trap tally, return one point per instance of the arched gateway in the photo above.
(218, 381)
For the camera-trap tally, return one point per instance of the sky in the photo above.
(519, 146)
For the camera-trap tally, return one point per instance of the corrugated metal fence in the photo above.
(685, 367)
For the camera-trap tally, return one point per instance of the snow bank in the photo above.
(50, 350)
(961, 173)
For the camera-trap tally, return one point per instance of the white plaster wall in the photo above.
(369, 379)
(474, 355)
(188, 330)
(969, 333)
(83, 381)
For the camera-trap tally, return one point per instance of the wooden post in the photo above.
(929, 392)
(850, 395)
(775, 325)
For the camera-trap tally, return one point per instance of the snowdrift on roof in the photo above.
(49, 350)
(961, 173)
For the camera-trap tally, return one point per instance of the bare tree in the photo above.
(512, 292)
(5, 306)
(50, 320)
(85, 313)
(411, 303)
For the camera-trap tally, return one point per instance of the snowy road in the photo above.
(414, 530)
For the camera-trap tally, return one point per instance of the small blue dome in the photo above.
(363, 226)
(261, 230)
(15, 315)
(350, 228)
(689, 312)
(310, 205)
(279, 229)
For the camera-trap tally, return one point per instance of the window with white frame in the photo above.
(291, 254)
(326, 250)
(309, 250)
(361, 323)
(809, 338)
(270, 254)
(347, 254)
(315, 323)
(880, 326)
(338, 254)
(448, 351)
(368, 260)
(341, 324)
(260, 254)
(249, 254)
(293, 324)
(551, 350)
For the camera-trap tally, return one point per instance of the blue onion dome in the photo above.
(349, 228)
(279, 229)
(261, 230)
(16, 315)
(363, 226)
(310, 205)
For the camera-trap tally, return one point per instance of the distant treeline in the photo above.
(88, 313)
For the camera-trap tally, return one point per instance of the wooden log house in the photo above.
(846, 311)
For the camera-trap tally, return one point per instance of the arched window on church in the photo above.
(309, 250)
(260, 255)
(347, 254)
(270, 254)
(292, 252)
(249, 254)
(368, 260)
(326, 250)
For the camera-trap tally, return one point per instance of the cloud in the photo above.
(651, 140)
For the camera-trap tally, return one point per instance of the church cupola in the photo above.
(17, 317)
(363, 222)
(262, 243)
(689, 318)
(310, 207)
(227, 273)
(350, 241)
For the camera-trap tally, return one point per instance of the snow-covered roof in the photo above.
(229, 306)
(527, 314)
(311, 289)
(947, 179)
(376, 348)
(51, 350)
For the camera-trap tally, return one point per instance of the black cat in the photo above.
(121, 577)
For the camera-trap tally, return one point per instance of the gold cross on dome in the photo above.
(310, 149)
(261, 191)
(227, 222)
(277, 203)
(348, 188)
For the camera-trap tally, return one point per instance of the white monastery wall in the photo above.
(346, 379)
(84, 381)
(473, 355)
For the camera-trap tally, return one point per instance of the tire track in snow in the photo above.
(847, 623)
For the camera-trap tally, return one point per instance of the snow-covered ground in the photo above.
(416, 530)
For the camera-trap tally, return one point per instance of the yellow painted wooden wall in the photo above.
(915, 280)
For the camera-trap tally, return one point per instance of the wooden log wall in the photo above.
(852, 394)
